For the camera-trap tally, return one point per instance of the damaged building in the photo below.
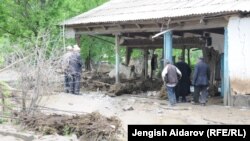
(217, 27)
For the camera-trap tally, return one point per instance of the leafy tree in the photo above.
(23, 20)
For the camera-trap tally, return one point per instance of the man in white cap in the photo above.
(75, 66)
(65, 67)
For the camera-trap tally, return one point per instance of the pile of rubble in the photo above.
(92, 126)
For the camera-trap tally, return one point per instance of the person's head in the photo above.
(166, 62)
(76, 48)
(201, 59)
(69, 48)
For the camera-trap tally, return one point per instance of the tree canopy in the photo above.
(22, 20)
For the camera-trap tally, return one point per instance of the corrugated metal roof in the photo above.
(132, 10)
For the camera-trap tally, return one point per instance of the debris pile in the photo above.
(135, 86)
(102, 82)
(93, 81)
(92, 126)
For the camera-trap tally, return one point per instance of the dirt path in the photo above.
(148, 110)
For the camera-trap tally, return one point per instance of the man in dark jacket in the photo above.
(75, 68)
(201, 81)
(183, 87)
(65, 68)
(170, 76)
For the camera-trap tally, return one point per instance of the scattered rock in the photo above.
(128, 108)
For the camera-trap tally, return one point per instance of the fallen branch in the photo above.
(175, 108)
(217, 122)
(101, 82)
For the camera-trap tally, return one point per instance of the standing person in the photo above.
(154, 65)
(170, 76)
(75, 70)
(183, 87)
(65, 68)
(200, 81)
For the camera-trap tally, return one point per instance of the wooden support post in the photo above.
(78, 40)
(183, 53)
(145, 63)
(188, 53)
(128, 55)
(117, 60)
(168, 45)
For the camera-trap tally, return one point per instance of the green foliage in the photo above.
(5, 89)
(99, 49)
(25, 18)
(22, 21)
(67, 130)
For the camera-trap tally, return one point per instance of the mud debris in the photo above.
(92, 126)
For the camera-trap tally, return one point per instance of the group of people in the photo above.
(72, 67)
(177, 81)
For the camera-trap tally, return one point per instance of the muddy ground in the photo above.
(138, 103)
(144, 108)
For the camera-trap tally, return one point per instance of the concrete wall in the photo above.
(239, 55)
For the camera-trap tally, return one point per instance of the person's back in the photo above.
(170, 77)
(65, 67)
(75, 63)
(185, 71)
(75, 70)
(200, 82)
(183, 86)
(201, 74)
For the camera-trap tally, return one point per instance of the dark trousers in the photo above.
(66, 82)
(200, 93)
(75, 83)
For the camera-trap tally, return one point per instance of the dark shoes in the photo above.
(197, 103)
(203, 104)
(183, 100)
(194, 103)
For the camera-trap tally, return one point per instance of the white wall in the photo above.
(218, 42)
(239, 54)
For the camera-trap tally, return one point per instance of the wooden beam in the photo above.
(188, 25)
(105, 27)
(89, 28)
(138, 26)
(102, 39)
(143, 47)
(158, 25)
(188, 41)
(121, 26)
